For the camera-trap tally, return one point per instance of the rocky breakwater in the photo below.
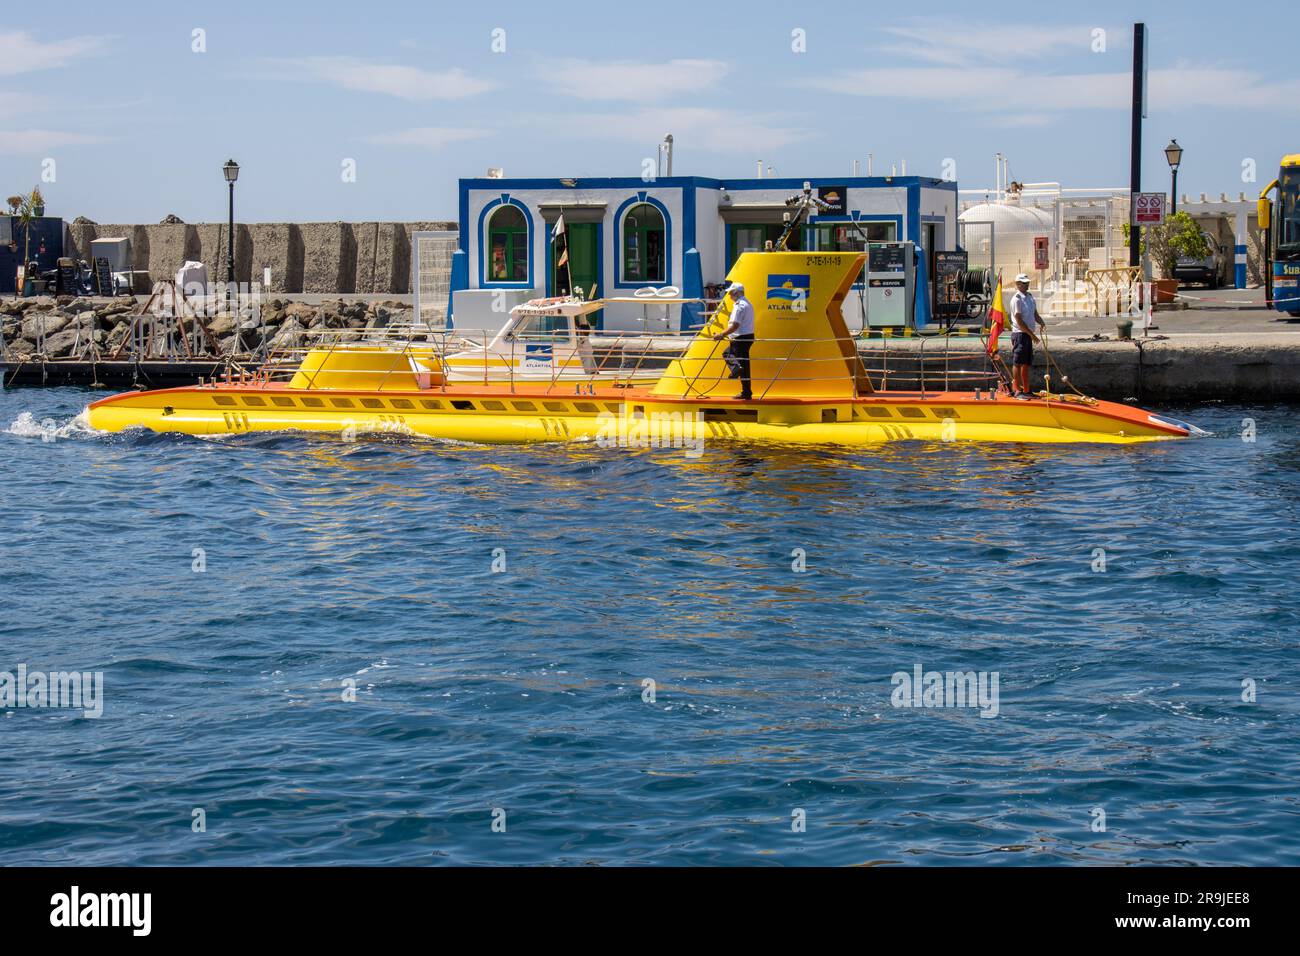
(62, 327)
(83, 328)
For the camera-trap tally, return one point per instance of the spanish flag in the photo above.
(997, 318)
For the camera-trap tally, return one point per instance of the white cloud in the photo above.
(404, 82)
(427, 137)
(37, 142)
(991, 69)
(1022, 120)
(12, 104)
(22, 53)
(634, 82)
(998, 89)
(948, 43)
(706, 129)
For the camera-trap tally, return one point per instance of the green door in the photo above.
(584, 247)
(582, 261)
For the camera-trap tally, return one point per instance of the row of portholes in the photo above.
(431, 404)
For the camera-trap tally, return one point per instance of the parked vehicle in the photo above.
(1212, 270)
(83, 281)
(1282, 237)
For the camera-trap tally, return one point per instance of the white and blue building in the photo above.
(625, 234)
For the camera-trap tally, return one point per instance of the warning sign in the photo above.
(1040, 253)
(1148, 208)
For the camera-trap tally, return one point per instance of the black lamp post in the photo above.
(231, 169)
(1174, 153)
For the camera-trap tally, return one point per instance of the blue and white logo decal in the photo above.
(791, 288)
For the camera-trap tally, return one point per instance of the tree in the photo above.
(26, 213)
(1176, 238)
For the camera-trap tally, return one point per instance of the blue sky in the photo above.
(138, 124)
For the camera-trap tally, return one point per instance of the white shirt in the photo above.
(742, 313)
(1024, 313)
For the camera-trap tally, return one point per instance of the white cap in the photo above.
(1022, 278)
(735, 287)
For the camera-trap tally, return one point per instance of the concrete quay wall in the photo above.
(317, 257)
(1178, 368)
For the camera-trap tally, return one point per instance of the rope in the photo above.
(1052, 364)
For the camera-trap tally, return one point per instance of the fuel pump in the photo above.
(891, 283)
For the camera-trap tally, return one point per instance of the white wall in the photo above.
(618, 316)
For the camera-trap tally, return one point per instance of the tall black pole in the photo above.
(1173, 197)
(230, 252)
(1135, 159)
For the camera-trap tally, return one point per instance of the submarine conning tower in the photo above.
(803, 349)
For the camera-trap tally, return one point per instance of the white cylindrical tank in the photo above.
(1010, 248)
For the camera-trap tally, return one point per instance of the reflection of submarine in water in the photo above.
(809, 384)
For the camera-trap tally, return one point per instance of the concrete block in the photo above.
(78, 239)
(273, 245)
(329, 257)
(367, 238)
(170, 247)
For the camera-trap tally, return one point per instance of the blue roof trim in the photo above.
(705, 182)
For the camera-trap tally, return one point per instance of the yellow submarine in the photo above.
(809, 383)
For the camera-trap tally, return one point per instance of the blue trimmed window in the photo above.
(847, 236)
(644, 254)
(507, 245)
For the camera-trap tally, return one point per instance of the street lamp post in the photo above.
(1173, 153)
(231, 169)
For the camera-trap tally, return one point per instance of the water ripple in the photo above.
(307, 641)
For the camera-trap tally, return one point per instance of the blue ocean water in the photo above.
(519, 696)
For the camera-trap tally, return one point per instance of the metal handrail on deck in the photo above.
(429, 348)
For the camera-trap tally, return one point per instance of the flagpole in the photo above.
(561, 230)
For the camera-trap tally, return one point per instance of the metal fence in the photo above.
(431, 254)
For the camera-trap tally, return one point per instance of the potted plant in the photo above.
(15, 203)
(26, 213)
(38, 202)
(1177, 237)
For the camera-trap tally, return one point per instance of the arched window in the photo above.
(643, 244)
(507, 245)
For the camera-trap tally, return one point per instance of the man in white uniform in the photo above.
(741, 330)
(1025, 323)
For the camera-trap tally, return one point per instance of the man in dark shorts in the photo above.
(741, 330)
(1025, 323)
